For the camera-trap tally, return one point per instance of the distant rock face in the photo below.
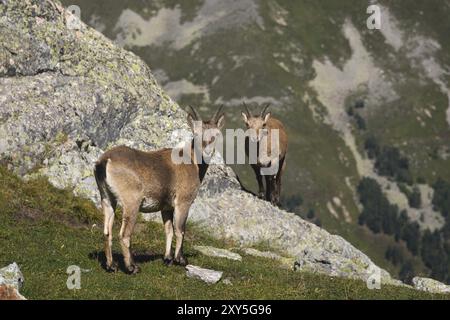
(430, 285)
(11, 280)
(66, 95)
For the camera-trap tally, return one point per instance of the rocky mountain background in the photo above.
(67, 93)
(357, 103)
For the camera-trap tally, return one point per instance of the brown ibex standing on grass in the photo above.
(150, 182)
(261, 127)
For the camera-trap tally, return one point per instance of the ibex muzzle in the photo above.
(150, 182)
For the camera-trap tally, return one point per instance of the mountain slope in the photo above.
(334, 83)
(81, 94)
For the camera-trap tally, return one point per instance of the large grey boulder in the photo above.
(237, 215)
(65, 94)
(68, 94)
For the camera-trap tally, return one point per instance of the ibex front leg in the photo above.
(130, 213)
(257, 170)
(181, 214)
(167, 217)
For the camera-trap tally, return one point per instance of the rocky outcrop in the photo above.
(11, 280)
(67, 94)
(430, 285)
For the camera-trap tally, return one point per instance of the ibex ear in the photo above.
(267, 116)
(190, 120)
(245, 117)
(221, 121)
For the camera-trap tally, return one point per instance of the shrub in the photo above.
(372, 147)
(411, 235)
(388, 161)
(378, 214)
(407, 272)
(311, 214)
(395, 255)
(360, 122)
(441, 197)
(415, 199)
(435, 256)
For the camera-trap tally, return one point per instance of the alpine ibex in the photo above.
(150, 182)
(261, 127)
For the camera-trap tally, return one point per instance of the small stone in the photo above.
(206, 275)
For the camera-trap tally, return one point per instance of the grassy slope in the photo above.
(45, 230)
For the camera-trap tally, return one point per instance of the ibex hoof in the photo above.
(168, 262)
(261, 195)
(133, 269)
(275, 203)
(112, 268)
(182, 261)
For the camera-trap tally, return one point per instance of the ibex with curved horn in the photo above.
(261, 133)
(150, 182)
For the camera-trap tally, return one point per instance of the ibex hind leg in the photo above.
(167, 216)
(109, 203)
(108, 212)
(181, 214)
(130, 212)
(281, 169)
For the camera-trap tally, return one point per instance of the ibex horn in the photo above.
(263, 112)
(194, 113)
(218, 113)
(246, 109)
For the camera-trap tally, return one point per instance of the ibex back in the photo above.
(150, 182)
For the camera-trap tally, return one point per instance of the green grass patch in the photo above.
(46, 230)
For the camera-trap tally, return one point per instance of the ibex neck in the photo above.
(197, 158)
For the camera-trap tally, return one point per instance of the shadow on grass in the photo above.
(139, 258)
